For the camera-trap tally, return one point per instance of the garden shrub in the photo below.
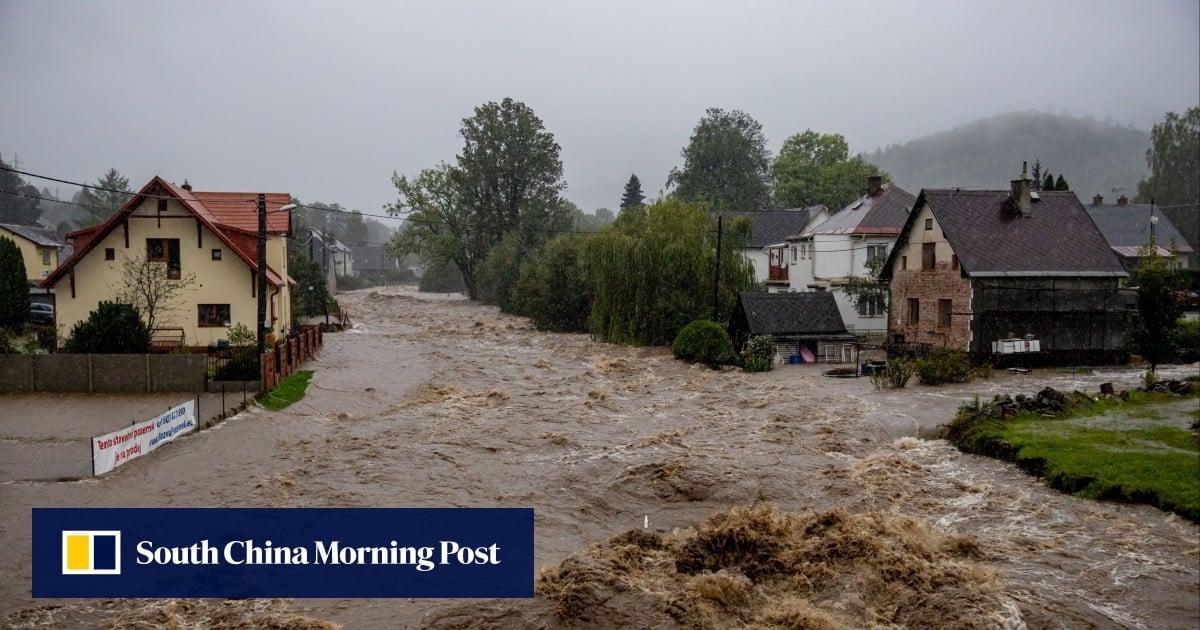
(944, 366)
(895, 373)
(1188, 336)
(112, 328)
(759, 354)
(704, 342)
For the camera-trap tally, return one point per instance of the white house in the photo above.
(828, 253)
(767, 247)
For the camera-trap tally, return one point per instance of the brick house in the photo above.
(972, 267)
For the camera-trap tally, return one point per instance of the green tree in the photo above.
(439, 225)
(555, 289)
(653, 270)
(112, 328)
(14, 287)
(1153, 328)
(147, 286)
(507, 179)
(111, 192)
(1174, 161)
(726, 164)
(311, 294)
(1061, 183)
(18, 199)
(867, 289)
(633, 193)
(1037, 175)
(1048, 182)
(816, 169)
(355, 231)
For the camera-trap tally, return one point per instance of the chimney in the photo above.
(1122, 200)
(186, 186)
(874, 183)
(1098, 200)
(1022, 191)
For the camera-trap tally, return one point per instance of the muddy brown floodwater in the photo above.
(433, 401)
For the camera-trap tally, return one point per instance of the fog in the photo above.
(326, 100)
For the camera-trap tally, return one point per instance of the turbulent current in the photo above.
(641, 471)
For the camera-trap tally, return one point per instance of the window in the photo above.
(954, 261)
(213, 315)
(904, 262)
(944, 312)
(110, 253)
(928, 224)
(871, 306)
(165, 250)
(876, 251)
(928, 258)
(794, 253)
(46, 257)
(914, 311)
(216, 254)
(803, 251)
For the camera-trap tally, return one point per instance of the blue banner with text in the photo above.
(282, 552)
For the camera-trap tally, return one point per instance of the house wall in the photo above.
(31, 254)
(831, 260)
(928, 286)
(225, 281)
(757, 258)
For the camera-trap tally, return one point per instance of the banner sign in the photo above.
(116, 448)
(282, 552)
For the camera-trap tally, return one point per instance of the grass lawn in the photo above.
(288, 391)
(1140, 451)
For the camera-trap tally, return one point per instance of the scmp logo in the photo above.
(91, 553)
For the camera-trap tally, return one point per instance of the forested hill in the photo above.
(1093, 156)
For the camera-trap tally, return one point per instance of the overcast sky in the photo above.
(325, 100)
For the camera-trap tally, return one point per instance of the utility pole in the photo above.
(262, 277)
(717, 277)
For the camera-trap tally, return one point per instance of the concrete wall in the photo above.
(102, 373)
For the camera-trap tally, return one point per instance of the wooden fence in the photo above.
(288, 355)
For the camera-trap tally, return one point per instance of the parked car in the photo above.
(41, 313)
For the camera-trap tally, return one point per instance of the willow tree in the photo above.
(653, 271)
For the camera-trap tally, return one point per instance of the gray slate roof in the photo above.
(804, 314)
(774, 226)
(882, 213)
(40, 236)
(1129, 226)
(991, 238)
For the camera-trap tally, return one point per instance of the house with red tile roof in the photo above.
(973, 268)
(211, 237)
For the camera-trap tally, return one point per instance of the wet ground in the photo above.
(431, 401)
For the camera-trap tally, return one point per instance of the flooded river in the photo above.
(433, 401)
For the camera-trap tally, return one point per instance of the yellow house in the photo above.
(39, 249)
(211, 237)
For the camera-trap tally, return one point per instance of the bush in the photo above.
(944, 366)
(441, 278)
(759, 354)
(110, 329)
(704, 342)
(554, 289)
(895, 373)
(242, 366)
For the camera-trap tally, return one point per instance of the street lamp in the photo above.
(262, 273)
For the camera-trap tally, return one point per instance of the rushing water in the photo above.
(441, 402)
